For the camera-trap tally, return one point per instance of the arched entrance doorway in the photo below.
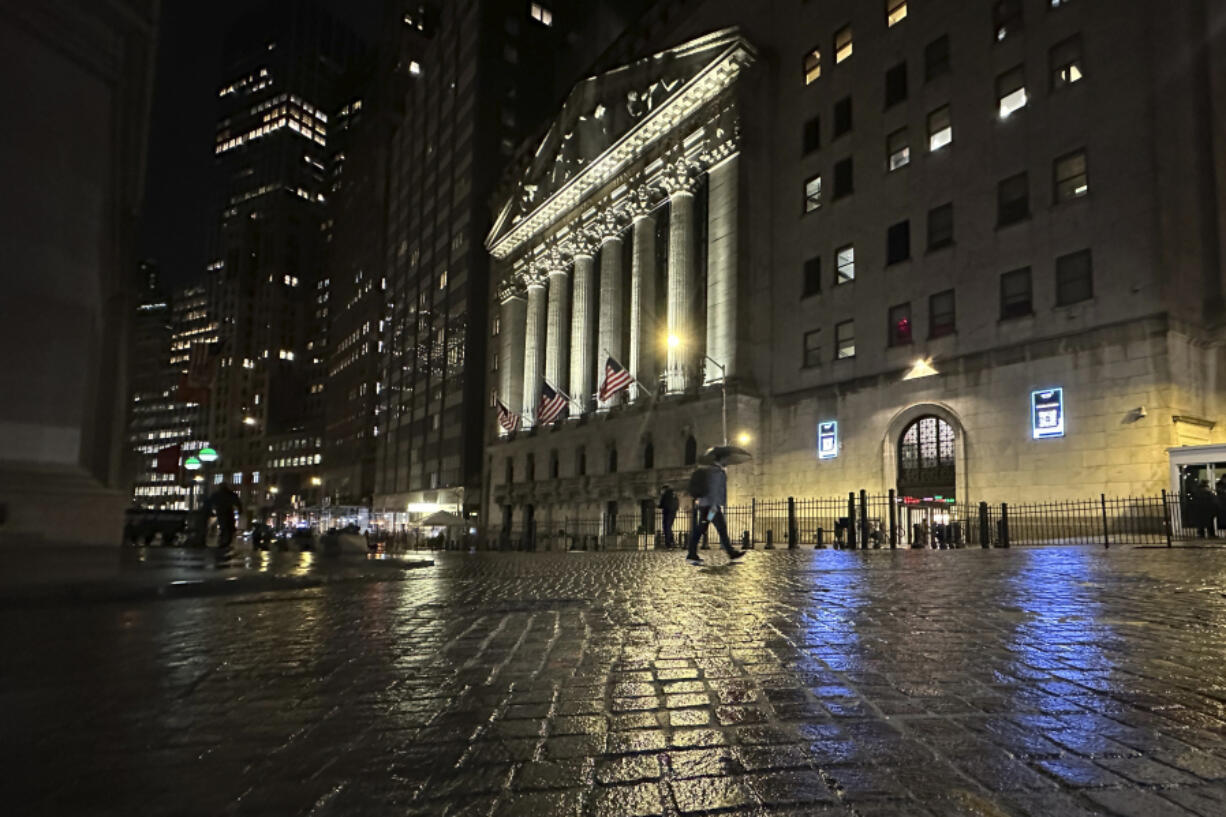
(925, 462)
(927, 469)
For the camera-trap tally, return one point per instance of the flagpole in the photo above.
(634, 379)
(558, 390)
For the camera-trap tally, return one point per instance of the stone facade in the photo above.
(1072, 242)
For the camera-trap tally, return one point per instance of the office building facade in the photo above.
(957, 251)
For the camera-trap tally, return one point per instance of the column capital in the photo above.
(609, 224)
(534, 275)
(582, 241)
(681, 176)
(721, 146)
(555, 259)
(510, 288)
(642, 201)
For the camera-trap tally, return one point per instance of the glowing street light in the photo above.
(248, 420)
(316, 481)
(208, 454)
(743, 438)
(192, 464)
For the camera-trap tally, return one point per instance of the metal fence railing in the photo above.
(862, 520)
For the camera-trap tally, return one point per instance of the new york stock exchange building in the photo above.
(923, 250)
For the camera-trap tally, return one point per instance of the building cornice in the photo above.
(704, 87)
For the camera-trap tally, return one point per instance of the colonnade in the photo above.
(562, 314)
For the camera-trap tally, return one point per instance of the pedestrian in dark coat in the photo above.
(1204, 508)
(709, 487)
(669, 504)
(226, 504)
(1220, 492)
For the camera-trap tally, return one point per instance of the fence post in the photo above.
(792, 529)
(819, 544)
(851, 520)
(1004, 524)
(893, 522)
(1166, 518)
(770, 539)
(985, 532)
(753, 520)
(863, 519)
(1106, 535)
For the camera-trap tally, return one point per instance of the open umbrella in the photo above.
(731, 454)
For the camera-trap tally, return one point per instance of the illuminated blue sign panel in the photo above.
(828, 440)
(1047, 413)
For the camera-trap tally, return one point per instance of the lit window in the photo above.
(415, 68)
(898, 149)
(813, 349)
(442, 280)
(1064, 60)
(1057, 4)
(1072, 176)
(237, 478)
(255, 477)
(895, 12)
(900, 325)
(845, 265)
(940, 129)
(813, 194)
(541, 14)
(1011, 91)
(845, 340)
(812, 64)
(941, 314)
(842, 44)
(1074, 278)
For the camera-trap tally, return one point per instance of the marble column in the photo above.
(643, 335)
(513, 314)
(609, 332)
(534, 345)
(721, 265)
(557, 332)
(583, 307)
(682, 354)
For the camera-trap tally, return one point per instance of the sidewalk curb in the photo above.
(95, 592)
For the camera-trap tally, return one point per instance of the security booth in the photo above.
(1191, 465)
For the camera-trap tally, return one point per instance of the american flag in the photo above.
(507, 418)
(551, 406)
(616, 378)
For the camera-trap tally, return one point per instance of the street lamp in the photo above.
(675, 342)
(208, 454)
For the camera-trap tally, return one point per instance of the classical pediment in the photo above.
(608, 121)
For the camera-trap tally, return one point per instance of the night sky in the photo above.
(176, 221)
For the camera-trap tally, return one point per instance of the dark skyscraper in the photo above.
(478, 77)
(276, 148)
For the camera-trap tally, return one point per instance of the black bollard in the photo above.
(819, 545)
(770, 539)
(744, 540)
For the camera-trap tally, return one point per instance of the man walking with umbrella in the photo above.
(709, 487)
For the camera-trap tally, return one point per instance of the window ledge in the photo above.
(948, 245)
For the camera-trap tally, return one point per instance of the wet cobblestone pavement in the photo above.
(1068, 681)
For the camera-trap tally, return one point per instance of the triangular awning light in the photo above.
(922, 368)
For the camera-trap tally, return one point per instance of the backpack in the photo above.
(700, 483)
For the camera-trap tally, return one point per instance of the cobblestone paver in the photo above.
(1057, 682)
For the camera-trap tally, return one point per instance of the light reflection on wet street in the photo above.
(1065, 681)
